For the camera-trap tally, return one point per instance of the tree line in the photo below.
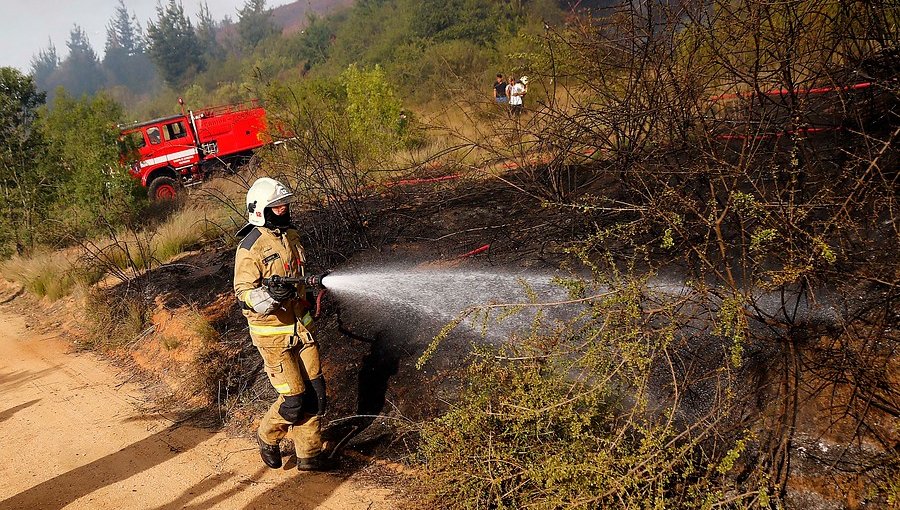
(59, 173)
(172, 49)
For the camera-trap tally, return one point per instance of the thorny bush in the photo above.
(339, 140)
(580, 415)
(748, 148)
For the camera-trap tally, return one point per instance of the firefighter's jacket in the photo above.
(261, 254)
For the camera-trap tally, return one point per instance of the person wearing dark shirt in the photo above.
(500, 90)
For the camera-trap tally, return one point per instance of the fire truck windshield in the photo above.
(131, 141)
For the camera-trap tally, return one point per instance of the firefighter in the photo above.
(280, 323)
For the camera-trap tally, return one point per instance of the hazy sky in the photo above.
(27, 25)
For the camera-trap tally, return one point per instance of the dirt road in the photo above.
(71, 436)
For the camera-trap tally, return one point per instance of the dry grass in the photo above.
(475, 133)
(204, 329)
(125, 255)
(133, 252)
(457, 132)
(113, 320)
(227, 194)
(49, 274)
(189, 228)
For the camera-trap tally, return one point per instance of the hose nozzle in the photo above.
(315, 280)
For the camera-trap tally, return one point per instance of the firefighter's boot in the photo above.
(271, 454)
(320, 462)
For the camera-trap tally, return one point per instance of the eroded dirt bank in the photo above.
(72, 435)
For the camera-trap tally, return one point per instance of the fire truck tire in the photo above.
(163, 188)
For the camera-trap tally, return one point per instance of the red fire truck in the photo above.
(168, 153)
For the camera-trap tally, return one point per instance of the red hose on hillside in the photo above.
(474, 252)
(409, 182)
(779, 134)
(783, 91)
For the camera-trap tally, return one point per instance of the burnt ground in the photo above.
(369, 356)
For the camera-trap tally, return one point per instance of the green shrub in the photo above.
(565, 418)
(373, 111)
(82, 137)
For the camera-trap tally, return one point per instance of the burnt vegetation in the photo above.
(744, 150)
(725, 174)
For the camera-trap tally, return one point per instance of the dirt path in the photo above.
(71, 436)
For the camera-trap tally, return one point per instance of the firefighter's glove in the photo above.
(282, 292)
(261, 301)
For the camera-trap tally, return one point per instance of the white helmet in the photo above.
(265, 192)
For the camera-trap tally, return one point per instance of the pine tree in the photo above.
(174, 45)
(21, 174)
(80, 72)
(140, 42)
(120, 33)
(206, 33)
(43, 65)
(125, 61)
(255, 23)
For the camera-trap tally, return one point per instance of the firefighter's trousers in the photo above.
(292, 365)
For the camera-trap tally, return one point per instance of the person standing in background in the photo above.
(516, 93)
(500, 90)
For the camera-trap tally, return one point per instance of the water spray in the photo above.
(423, 299)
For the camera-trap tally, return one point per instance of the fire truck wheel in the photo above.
(163, 188)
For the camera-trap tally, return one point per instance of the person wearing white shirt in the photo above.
(515, 97)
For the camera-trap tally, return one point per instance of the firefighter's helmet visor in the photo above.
(287, 199)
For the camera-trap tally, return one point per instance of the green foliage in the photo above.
(562, 419)
(174, 45)
(442, 20)
(123, 33)
(368, 34)
(728, 461)
(207, 28)
(22, 179)
(82, 137)
(126, 66)
(314, 41)
(125, 61)
(80, 72)
(373, 111)
(255, 23)
(44, 64)
(357, 118)
(824, 250)
(429, 48)
(761, 238)
(732, 324)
